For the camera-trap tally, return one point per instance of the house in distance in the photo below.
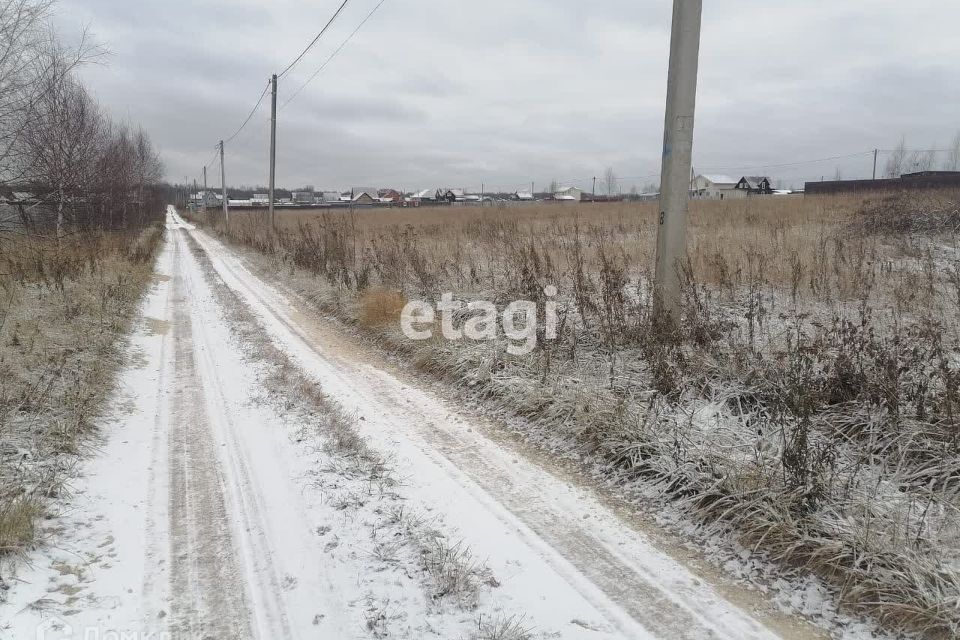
(715, 187)
(755, 185)
(568, 194)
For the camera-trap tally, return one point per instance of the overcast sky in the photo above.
(506, 92)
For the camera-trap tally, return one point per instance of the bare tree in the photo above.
(925, 160)
(917, 161)
(128, 177)
(22, 37)
(55, 140)
(32, 59)
(610, 180)
(147, 171)
(897, 160)
(953, 155)
(61, 143)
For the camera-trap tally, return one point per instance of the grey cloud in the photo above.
(509, 91)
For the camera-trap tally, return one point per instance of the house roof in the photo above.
(718, 178)
(753, 181)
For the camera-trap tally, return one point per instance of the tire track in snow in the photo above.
(205, 578)
(268, 614)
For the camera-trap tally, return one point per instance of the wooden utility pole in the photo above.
(593, 194)
(223, 184)
(273, 147)
(677, 154)
(204, 188)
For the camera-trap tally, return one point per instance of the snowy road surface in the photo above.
(204, 515)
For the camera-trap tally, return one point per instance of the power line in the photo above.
(253, 111)
(332, 55)
(790, 164)
(914, 150)
(314, 41)
(214, 159)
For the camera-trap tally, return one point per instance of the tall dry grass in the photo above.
(807, 403)
(64, 306)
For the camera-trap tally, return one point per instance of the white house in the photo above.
(304, 197)
(568, 194)
(329, 197)
(363, 196)
(207, 199)
(716, 187)
(426, 195)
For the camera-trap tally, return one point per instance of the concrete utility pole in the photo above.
(273, 147)
(677, 153)
(876, 152)
(223, 184)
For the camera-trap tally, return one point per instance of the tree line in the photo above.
(64, 164)
(902, 160)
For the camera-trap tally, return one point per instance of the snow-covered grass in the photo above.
(63, 311)
(806, 407)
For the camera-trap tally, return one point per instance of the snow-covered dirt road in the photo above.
(209, 512)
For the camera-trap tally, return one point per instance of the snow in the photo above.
(536, 529)
(207, 510)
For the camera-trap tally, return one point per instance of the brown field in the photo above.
(807, 404)
(817, 248)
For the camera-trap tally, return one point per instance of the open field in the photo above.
(806, 405)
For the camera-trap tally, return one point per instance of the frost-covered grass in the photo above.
(807, 404)
(63, 311)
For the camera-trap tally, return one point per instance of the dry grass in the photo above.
(503, 628)
(63, 311)
(807, 405)
(17, 521)
(380, 307)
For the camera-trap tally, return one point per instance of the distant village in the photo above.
(703, 187)
(16, 202)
